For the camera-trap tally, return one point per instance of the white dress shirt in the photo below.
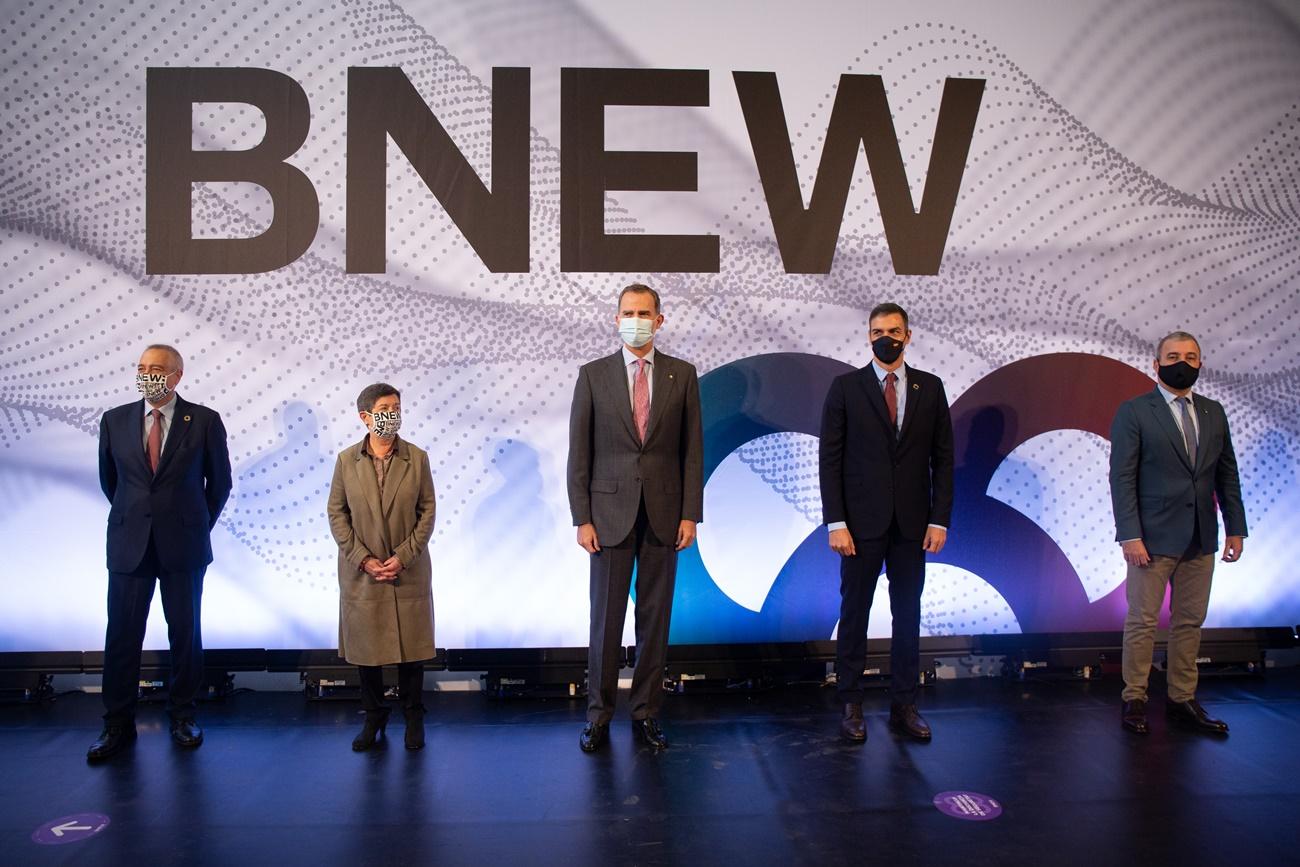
(1170, 397)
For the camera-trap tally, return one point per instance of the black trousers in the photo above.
(410, 687)
(904, 562)
(129, 597)
(655, 564)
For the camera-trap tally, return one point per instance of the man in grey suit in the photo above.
(1171, 458)
(636, 492)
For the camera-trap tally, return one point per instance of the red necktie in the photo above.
(640, 399)
(891, 399)
(155, 439)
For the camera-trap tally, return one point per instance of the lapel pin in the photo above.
(916, 387)
(186, 418)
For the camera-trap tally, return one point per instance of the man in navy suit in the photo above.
(164, 467)
(1171, 458)
(886, 462)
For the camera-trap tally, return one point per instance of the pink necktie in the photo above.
(640, 399)
(155, 439)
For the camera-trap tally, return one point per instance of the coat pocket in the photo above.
(604, 486)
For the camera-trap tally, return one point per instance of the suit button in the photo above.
(147, 515)
(1189, 505)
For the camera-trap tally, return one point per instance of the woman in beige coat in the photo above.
(381, 510)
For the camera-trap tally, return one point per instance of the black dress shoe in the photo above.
(593, 735)
(186, 733)
(1134, 716)
(414, 738)
(1190, 714)
(112, 740)
(851, 726)
(648, 732)
(371, 734)
(904, 720)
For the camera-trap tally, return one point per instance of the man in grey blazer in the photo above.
(1171, 458)
(636, 492)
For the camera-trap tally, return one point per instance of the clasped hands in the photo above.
(383, 571)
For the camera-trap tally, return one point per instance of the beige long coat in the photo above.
(382, 622)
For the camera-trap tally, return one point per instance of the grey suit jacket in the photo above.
(609, 468)
(1158, 496)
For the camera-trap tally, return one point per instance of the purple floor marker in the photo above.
(971, 806)
(70, 829)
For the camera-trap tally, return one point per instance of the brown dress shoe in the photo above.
(904, 719)
(1190, 714)
(852, 726)
(1134, 716)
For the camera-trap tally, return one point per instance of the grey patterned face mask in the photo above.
(385, 425)
(152, 385)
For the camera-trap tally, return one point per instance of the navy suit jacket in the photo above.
(869, 475)
(179, 505)
(1158, 496)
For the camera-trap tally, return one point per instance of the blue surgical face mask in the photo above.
(635, 331)
(385, 425)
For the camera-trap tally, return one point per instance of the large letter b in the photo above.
(172, 166)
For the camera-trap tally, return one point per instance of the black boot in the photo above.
(414, 727)
(372, 733)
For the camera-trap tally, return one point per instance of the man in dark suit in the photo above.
(164, 467)
(1171, 458)
(636, 491)
(886, 461)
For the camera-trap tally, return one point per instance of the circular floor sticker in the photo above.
(971, 806)
(70, 829)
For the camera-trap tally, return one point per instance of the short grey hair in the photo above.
(170, 350)
(1175, 335)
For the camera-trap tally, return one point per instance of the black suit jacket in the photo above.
(179, 506)
(1158, 496)
(869, 476)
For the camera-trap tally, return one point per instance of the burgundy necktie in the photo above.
(891, 399)
(640, 399)
(155, 439)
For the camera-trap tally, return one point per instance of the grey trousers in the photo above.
(1189, 576)
(611, 579)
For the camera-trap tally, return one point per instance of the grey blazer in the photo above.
(1158, 496)
(610, 470)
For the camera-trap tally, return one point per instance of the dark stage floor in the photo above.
(749, 780)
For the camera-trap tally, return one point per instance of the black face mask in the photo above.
(887, 349)
(1179, 375)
